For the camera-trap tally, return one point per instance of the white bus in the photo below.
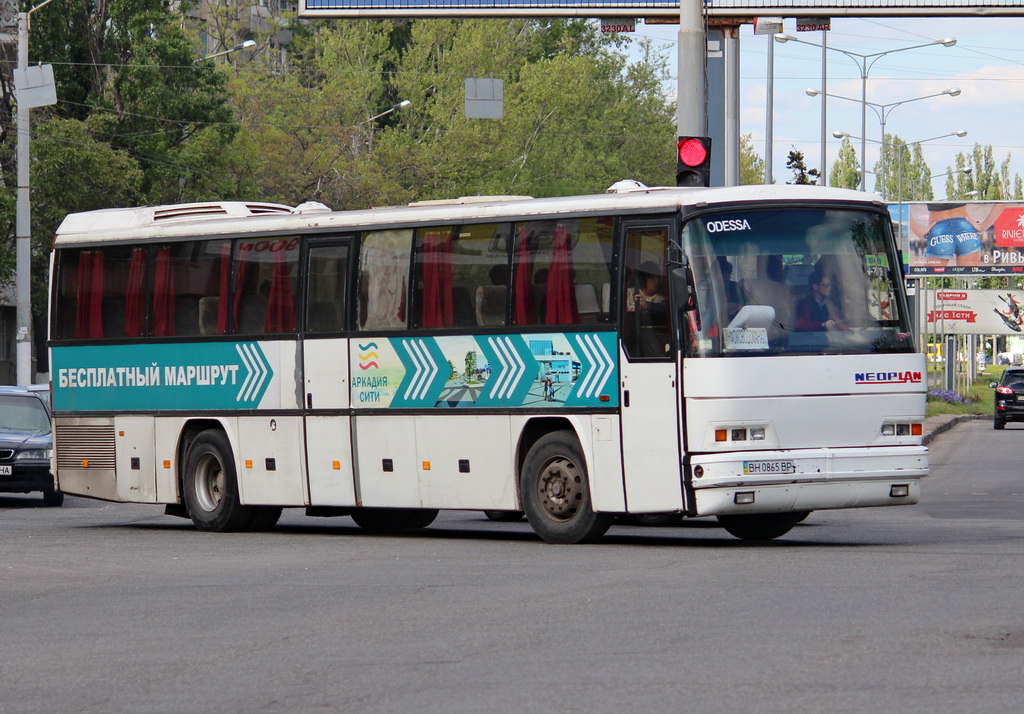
(744, 353)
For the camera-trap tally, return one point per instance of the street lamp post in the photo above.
(864, 64)
(882, 111)
(401, 105)
(240, 46)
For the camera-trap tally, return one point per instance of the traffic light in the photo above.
(693, 161)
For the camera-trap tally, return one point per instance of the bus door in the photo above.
(651, 453)
(325, 370)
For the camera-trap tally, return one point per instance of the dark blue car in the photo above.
(26, 443)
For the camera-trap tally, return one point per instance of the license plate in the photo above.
(761, 468)
(6, 470)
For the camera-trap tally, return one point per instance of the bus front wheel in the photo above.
(556, 493)
(211, 486)
(761, 526)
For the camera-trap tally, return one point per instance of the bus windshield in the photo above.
(785, 281)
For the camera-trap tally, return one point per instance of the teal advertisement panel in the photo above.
(190, 376)
(548, 370)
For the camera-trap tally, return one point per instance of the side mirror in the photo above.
(993, 384)
(684, 297)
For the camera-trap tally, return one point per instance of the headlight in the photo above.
(33, 455)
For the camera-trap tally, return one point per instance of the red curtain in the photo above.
(224, 290)
(280, 301)
(89, 308)
(561, 300)
(163, 294)
(84, 279)
(437, 279)
(242, 261)
(135, 304)
(525, 306)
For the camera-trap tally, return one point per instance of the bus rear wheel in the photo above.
(211, 486)
(556, 493)
(264, 518)
(761, 526)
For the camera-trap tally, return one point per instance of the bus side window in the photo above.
(645, 306)
(384, 279)
(325, 304)
(558, 268)
(265, 281)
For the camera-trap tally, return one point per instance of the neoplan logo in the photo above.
(887, 377)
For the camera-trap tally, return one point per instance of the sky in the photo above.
(986, 64)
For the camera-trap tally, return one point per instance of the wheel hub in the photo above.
(560, 489)
(209, 483)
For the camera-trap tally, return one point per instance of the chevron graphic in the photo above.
(513, 370)
(602, 366)
(426, 371)
(257, 372)
(598, 378)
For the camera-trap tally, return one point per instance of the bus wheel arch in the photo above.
(210, 483)
(554, 487)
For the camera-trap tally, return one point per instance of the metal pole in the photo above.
(731, 36)
(863, 124)
(881, 158)
(823, 177)
(769, 137)
(691, 95)
(23, 227)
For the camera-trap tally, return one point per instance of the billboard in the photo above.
(973, 312)
(965, 238)
(746, 9)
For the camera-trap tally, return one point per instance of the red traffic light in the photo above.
(692, 151)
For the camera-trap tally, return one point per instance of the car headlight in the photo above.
(33, 455)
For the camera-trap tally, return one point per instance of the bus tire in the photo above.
(504, 516)
(52, 498)
(264, 518)
(555, 492)
(382, 519)
(420, 517)
(761, 526)
(659, 519)
(211, 486)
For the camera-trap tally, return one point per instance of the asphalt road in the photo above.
(117, 608)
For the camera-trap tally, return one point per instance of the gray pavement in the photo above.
(935, 425)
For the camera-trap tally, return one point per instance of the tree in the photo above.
(141, 119)
(846, 168)
(990, 183)
(577, 115)
(904, 170)
(801, 174)
(751, 165)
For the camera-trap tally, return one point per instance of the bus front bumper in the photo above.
(807, 479)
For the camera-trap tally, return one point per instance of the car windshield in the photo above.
(23, 413)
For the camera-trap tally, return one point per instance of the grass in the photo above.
(979, 396)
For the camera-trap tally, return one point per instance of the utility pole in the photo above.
(33, 89)
(691, 99)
